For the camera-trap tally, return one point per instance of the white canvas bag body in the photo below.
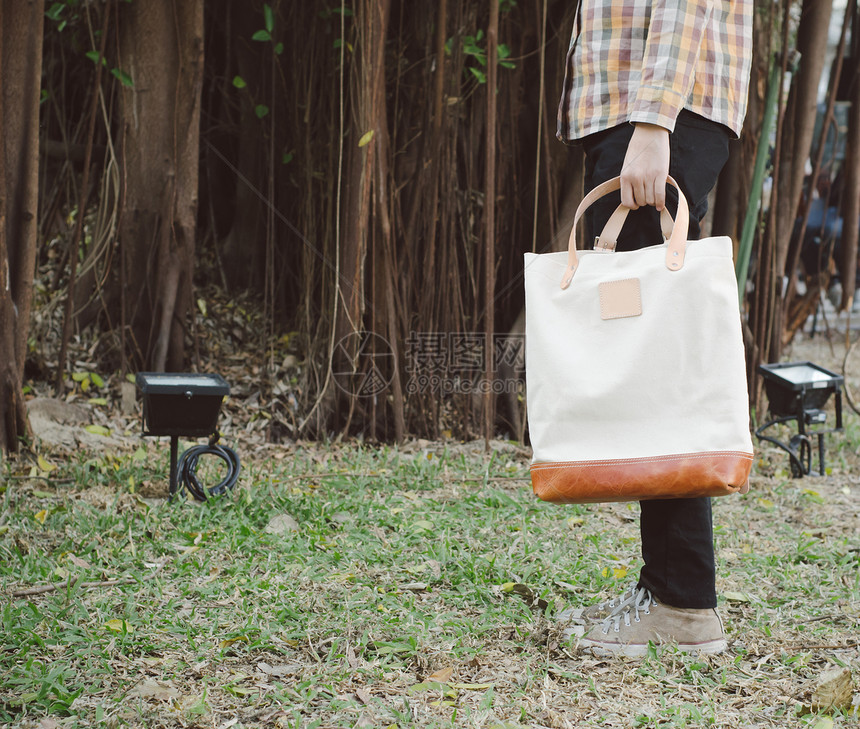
(635, 370)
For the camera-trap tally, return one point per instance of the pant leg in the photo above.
(677, 534)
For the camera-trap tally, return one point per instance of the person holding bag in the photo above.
(653, 89)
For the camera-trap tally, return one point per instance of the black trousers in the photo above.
(677, 534)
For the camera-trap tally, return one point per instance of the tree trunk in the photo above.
(20, 68)
(161, 46)
(366, 145)
(851, 195)
(490, 221)
(800, 122)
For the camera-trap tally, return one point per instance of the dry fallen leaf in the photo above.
(832, 690)
(443, 675)
(287, 669)
(150, 689)
(78, 562)
(119, 626)
(230, 641)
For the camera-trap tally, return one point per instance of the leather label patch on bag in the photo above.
(620, 299)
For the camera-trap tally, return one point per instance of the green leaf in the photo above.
(94, 57)
(239, 82)
(478, 74)
(279, 48)
(268, 17)
(262, 35)
(261, 110)
(814, 496)
(97, 379)
(80, 376)
(365, 138)
(286, 158)
(55, 11)
(98, 401)
(122, 77)
(98, 430)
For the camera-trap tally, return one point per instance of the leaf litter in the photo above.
(345, 586)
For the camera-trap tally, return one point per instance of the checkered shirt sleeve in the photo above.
(645, 60)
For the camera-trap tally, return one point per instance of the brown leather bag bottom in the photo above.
(685, 475)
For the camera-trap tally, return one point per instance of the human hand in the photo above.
(646, 167)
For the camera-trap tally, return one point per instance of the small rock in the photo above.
(57, 411)
(282, 524)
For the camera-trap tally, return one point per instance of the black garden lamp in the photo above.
(186, 404)
(799, 391)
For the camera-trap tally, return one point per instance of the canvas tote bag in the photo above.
(635, 374)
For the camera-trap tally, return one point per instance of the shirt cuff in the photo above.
(658, 106)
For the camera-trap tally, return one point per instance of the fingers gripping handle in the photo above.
(677, 242)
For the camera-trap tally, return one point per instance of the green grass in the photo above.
(392, 604)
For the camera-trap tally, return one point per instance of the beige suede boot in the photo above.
(641, 619)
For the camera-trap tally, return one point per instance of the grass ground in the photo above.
(409, 587)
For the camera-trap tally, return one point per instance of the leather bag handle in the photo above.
(676, 243)
(608, 237)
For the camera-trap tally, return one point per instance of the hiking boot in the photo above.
(641, 619)
(577, 619)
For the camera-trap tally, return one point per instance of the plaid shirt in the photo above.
(645, 60)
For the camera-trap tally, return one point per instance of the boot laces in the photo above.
(639, 601)
(629, 592)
